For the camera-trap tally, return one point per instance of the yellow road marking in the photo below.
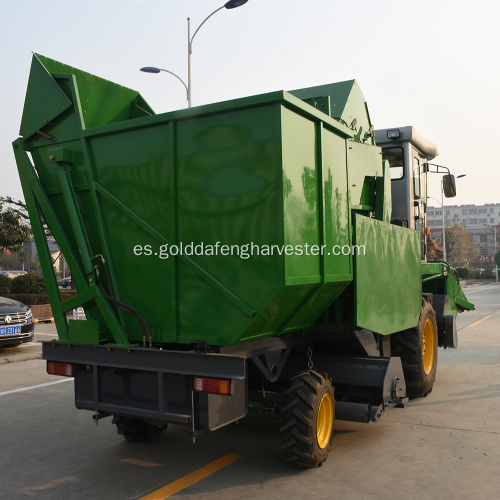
(191, 478)
(480, 321)
(33, 490)
(140, 463)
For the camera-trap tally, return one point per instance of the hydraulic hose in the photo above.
(146, 330)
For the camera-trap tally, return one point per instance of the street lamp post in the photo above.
(495, 252)
(494, 227)
(442, 212)
(231, 4)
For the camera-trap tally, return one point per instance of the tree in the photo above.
(460, 246)
(434, 249)
(14, 224)
(497, 259)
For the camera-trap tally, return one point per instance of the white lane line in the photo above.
(478, 290)
(36, 386)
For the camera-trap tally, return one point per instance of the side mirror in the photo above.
(449, 187)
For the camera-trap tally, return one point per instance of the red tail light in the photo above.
(212, 385)
(63, 369)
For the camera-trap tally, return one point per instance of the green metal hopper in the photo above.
(250, 189)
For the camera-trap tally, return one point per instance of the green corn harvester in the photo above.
(232, 255)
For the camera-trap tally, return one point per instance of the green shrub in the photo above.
(5, 285)
(35, 299)
(463, 273)
(28, 283)
(30, 299)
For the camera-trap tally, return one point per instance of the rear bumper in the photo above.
(153, 384)
(26, 335)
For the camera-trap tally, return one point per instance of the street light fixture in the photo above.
(231, 4)
(152, 69)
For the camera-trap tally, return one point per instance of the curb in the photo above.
(15, 359)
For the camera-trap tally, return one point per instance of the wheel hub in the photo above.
(324, 421)
(428, 346)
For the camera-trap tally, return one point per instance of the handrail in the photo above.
(449, 268)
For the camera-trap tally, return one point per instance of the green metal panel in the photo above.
(131, 168)
(362, 180)
(301, 199)
(83, 332)
(99, 101)
(383, 197)
(432, 268)
(228, 191)
(343, 101)
(387, 278)
(334, 229)
(336, 210)
(44, 101)
(440, 278)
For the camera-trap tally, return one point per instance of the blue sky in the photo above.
(430, 64)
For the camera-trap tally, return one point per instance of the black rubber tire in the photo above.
(299, 419)
(409, 346)
(136, 429)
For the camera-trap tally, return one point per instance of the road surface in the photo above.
(445, 446)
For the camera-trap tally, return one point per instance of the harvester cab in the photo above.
(408, 154)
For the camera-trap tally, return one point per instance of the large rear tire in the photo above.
(308, 415)
(417, 348)
(136, 429)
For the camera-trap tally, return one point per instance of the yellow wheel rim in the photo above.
(428, 340)
(324, 421)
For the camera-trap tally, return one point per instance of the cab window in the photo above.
(395, 158)
(416, 177)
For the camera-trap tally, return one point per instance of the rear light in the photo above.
(63, 369)
(212, 385)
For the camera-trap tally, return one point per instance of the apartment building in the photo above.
(481, 221)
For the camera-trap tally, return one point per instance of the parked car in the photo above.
(16, 323)
(66, 282)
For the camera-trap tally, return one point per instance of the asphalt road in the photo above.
(445, 446)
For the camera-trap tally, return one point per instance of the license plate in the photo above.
(10, 330)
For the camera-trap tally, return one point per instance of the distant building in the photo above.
(481, 221)
(55, 253)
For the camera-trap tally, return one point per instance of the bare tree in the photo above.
(460, 246)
